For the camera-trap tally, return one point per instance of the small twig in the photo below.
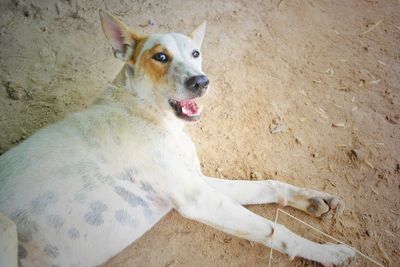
(375, 81)
(339, 124)
(280, 3)
(369, 164)
(341, 145)
(372, 27)
(383, 252)
(369, 73)
(229, 153)
(321, 112)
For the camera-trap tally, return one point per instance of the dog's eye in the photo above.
(195, 54)
(161, 57)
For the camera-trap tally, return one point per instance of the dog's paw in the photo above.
(325, 206)
(342, 255)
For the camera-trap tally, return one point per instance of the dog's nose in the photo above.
(197, 84)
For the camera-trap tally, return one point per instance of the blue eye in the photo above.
(161, 57)
(195, 54)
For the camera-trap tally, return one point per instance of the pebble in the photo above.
(15, 91)
(369, 233)
(255, 175)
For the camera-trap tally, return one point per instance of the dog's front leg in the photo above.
(200, 202)
(315, 203)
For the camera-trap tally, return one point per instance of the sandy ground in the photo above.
(305, 92)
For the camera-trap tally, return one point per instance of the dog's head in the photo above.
(166, 67)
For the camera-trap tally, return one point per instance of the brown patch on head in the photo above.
(155, 69)
(284, 245)
(135, 36)
(138, 47)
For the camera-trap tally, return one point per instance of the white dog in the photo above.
(79, 191)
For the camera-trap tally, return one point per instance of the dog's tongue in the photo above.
(189, 107)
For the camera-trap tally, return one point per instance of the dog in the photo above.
(81, 190)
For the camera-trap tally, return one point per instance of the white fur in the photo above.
(86, 187)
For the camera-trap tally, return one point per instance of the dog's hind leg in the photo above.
(315, 203)
(200, 202)
(8, 242)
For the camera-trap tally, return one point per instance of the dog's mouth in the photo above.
(186, 109)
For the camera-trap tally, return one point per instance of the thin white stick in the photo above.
(270, 253)
(324, 234)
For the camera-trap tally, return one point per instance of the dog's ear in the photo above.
(121, 38)
(197, 34)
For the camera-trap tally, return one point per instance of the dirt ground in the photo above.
(305, 92)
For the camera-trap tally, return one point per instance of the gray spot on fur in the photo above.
(88, 184)
(98, 206)
(40, 203)
(124, 218)
(55, 221)
(73, 233)
(51, 251)
(85, 167)
(93, 218)
(130, 197)
(80, 197)
(146, 187)
(284, 245)
(22, 253)
(107, 180)
(25, 226)
(128, 175)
